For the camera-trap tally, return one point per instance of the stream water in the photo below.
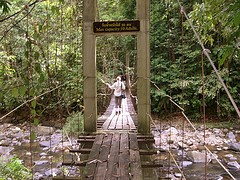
(45, 158)
(44, 161)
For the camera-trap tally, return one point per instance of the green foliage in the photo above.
(44, 50)
(217, 27)
(34, 58)
(4, 6)
(116, 10)
(14, 169)
(74, 124)
(217, 23)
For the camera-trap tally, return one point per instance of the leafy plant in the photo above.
(14, 169)
(74, 124)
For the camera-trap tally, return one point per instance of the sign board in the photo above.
(116, 26)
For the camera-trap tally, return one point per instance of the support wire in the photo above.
(196, 131)
(206, 53)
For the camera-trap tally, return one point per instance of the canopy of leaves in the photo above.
(41, 49)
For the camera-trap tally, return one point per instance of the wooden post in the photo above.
(89, 67)
(143, 67)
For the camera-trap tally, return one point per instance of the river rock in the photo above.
(44, 130)
(171, 131)
(43, 154)
(45, 143)
(5, 150)
(231, 137)
(41, 162)
(197, 157)
(182, 145)
(178, 175)
(53, 172)
(233, 165)
(38, 176)
(186, 163)
(5, 142)
(2, 137)
(229, 155)
(234, 146)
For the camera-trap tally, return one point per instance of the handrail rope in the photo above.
(130, 92)
(220, 163)
(30, 129)
(168, 55)
(134, 97)
(34, 99)
(61, 50)
(47, 60)
(196, 131)
(204, 110)
(104, 94)
(168, 150)
(206, 53)
(170, 98)
(183, 78)
(177, 164)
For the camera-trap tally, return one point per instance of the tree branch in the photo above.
(6, 18)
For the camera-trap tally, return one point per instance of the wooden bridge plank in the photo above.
(124, 105)
(125, 122)
(112, 173)
(113, 122)
(94, 154)
(119, 124)
(108, 120)
(103, 157)
(135, 162)
(131, 123)
(115, 154)
(124, 157)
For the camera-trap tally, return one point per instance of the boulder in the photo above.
(231, 137)
(5, 150)
(198, 157)
(234, 165)
(53, 172)
(234, 146)
(169, 132)
(186, 163)
(44, 130)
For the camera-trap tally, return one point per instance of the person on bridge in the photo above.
(118, 87)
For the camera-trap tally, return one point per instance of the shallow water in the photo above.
(196, 171)
(167, 169)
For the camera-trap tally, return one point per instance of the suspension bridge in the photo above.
(114, 145)
(120, 141)
(114, 151)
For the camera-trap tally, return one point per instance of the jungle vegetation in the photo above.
(41, 55)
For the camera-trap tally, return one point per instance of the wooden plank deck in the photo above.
(114, 154)
(123, 121)
(116, 158)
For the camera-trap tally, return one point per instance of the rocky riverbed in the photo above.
(221, 148)
(50, 147)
